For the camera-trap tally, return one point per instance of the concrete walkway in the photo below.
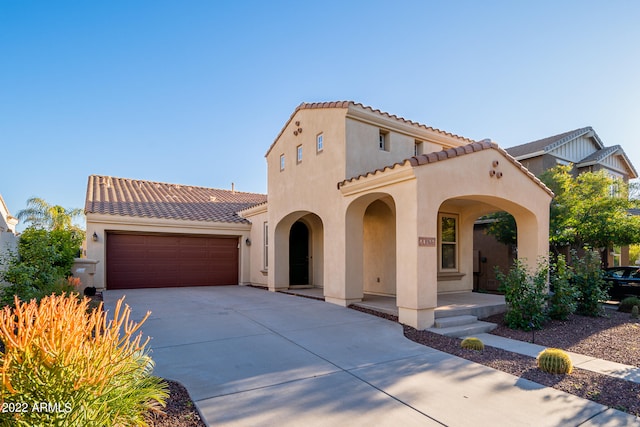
(613, 369)
(254, 358)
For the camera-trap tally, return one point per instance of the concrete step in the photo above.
(477, 327)
(447, 322)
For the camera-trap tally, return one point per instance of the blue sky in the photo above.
(194, 92)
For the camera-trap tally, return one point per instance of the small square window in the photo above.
(319, 143)
(299, 153)
(281, 162)
(383, 141)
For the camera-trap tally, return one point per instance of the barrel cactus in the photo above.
(554, 361)
(472, 343)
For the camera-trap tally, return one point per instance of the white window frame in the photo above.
(299, 154)
(441, 243)
(418, 147)
(319, 143)
(282, 162)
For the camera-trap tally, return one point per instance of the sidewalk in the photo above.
(613, 369)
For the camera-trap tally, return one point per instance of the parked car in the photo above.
(624, 281)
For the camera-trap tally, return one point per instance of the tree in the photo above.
(591, 209)
(50, 217)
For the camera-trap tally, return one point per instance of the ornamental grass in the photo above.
(66, 365)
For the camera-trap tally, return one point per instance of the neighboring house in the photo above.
(582, 148)
(8, 235)
(360, 201)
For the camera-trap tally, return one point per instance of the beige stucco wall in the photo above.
(256, 261)
(370, 226)
(101, 224)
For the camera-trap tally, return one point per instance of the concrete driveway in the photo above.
(255, 358)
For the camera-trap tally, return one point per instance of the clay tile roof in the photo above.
(443, 155)
(130, 197)
(549, 143)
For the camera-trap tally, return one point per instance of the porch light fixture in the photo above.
(94, 237)
(248, 242)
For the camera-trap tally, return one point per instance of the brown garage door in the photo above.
(156, 261)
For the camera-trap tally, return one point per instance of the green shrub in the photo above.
(635, 312)
(554, 361)
(86, 372)
(626, 305)
(563, 301)
(589, 282)
(472, 343)
(43, 262)
(525, 295)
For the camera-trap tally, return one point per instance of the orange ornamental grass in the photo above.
(64, 364)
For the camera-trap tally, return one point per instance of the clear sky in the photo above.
(194, 92)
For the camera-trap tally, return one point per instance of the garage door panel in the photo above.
(143, 261)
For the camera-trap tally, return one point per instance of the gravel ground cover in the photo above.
(615, 338)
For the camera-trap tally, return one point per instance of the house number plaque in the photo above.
(427, 241)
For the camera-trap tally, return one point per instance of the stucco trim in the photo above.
(104, 219)
(437, 156)
(396, 174)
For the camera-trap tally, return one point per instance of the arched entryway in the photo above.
(299, 254)
(298, 251)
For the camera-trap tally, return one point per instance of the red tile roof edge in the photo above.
(436, 156)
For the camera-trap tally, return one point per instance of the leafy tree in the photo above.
(591, 209)
(50, 217)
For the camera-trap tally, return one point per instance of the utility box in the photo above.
(84, 269)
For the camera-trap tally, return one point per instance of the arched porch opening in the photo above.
(299, 251)
(471, 261)
(371, 247)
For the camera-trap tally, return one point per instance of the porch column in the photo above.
(533, 237)
(343, 261)
(416, 255)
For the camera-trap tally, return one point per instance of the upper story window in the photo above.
(319, 143)
(281, 162)
(299, 153)
(383, 141)
(448, 231)
(418, 148)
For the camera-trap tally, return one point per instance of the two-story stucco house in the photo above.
(359, 201)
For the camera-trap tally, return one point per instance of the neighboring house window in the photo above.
(319, 143)
(616, 253)
(299, 153)
(418, 148)
(281, 162)
(448, 242)
(383, 141)
(265, 228)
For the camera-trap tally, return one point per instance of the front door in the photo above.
(299, 254)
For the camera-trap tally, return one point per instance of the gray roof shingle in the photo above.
(549, 143)
(138, 198)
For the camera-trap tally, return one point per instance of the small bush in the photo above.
(41, 266)
(635, 312)
(525, 295)
(563, 301)
(472, 343)
(592, 288)
(85, 371)
(554, 361)
(626, 305)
